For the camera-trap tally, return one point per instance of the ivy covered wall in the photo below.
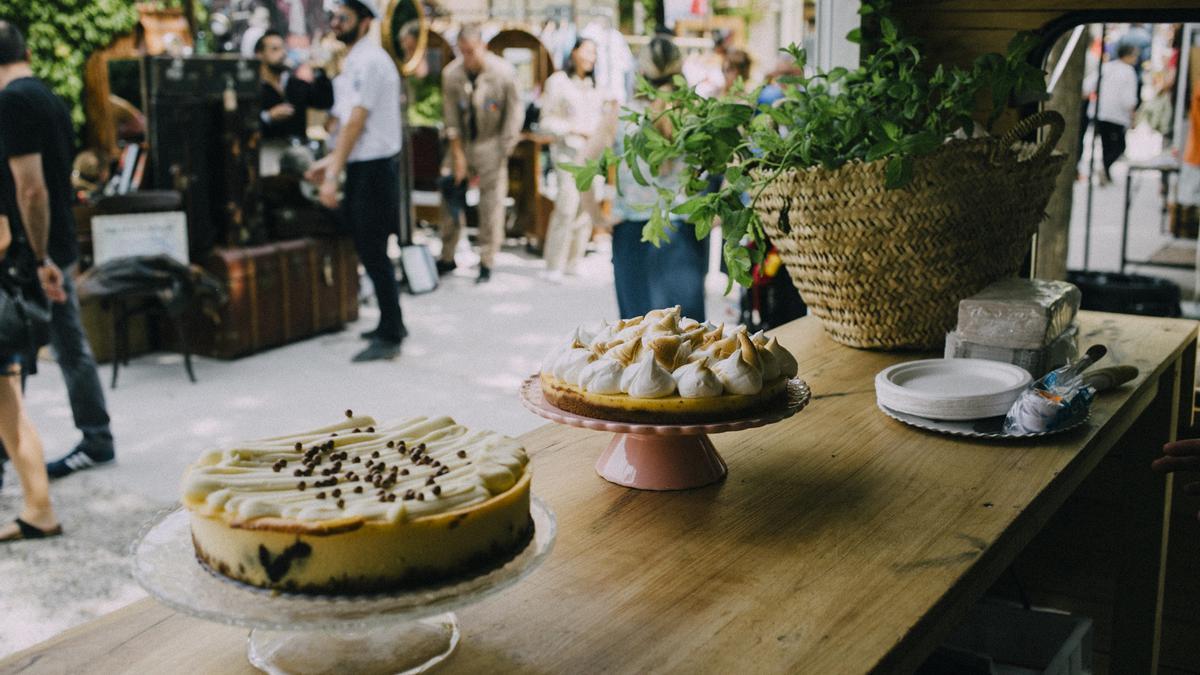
(63, 33)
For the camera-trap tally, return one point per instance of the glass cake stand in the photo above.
(403, 632)
(663, 456)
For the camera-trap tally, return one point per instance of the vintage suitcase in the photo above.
(278, 293)
(335, 267)
(253, 318)
(298, 284)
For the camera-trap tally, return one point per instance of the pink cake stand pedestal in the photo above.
(662, 456)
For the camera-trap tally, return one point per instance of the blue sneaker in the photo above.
(77, 460)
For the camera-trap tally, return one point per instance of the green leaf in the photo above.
(880, 149)
(855, 36)
(888, 28)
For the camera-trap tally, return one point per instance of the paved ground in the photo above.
(470, 348)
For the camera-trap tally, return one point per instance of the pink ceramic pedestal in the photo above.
(662, 456)
(661, 462)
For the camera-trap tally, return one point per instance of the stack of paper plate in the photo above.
(951, 389)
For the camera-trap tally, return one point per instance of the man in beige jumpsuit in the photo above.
(483, 116)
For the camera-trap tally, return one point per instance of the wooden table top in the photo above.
(841, 541)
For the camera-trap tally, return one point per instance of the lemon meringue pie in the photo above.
(360, 506)
(665, 368)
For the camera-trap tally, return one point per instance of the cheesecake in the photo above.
(360, 506)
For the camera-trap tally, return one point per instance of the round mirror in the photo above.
(404, 33)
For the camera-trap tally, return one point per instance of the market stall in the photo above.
(842, 541)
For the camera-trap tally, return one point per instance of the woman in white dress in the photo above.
(577, 115)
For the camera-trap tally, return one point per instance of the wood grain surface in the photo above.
(841, 541)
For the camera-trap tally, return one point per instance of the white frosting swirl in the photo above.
(258, 479)
(697, 380)
(737, 376)
(647, 379)
(602, 376)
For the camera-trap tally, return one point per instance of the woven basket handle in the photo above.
(1045, 118)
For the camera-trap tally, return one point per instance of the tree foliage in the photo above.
(62, 34)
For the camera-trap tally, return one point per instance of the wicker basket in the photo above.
(885, 269)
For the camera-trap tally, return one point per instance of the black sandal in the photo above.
(27, 531)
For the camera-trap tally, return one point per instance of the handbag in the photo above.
(24, 313)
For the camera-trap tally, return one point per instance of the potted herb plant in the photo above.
(886, 199)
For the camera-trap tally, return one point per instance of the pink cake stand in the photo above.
(662, 456)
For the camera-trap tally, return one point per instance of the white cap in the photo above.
(371, 6)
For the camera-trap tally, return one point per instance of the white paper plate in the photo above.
(988, 427)
(951, 389)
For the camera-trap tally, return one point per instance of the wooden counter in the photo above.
(841, 542)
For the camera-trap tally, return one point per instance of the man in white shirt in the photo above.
(367, 109)
(1118, 99)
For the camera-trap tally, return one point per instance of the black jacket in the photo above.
(302, 95)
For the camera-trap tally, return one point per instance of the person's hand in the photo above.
(460, 168)
(327, 195)
(1181, 456)
(281, 112)
(316, 170)
(52, 282)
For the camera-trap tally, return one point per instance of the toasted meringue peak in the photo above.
(693, 335)
(665, 347)
(669, 324)
(627, 353)
(714, 335)
(626, 323)
(601, 348)
(647, 379)
(749, 352)
(724, 347)
(788, 367)
(697, 380)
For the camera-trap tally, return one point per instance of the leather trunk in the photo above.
(336, 272)
(278, 293)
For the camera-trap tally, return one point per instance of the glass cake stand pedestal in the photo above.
(402, 632)
(663, 456)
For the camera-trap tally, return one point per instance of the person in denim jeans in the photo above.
(35, 173)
